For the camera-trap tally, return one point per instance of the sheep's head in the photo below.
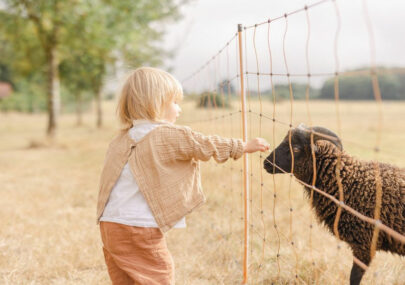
(280, 160)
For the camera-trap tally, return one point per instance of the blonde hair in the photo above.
(145, 94)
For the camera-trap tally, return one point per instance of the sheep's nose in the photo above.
(267, 164)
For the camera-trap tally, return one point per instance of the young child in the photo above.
(151, 180)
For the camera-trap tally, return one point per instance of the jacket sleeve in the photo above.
(200, 147)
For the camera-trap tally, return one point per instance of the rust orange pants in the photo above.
(136, 255)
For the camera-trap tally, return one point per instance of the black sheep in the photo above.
(359, 188)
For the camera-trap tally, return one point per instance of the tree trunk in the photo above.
(53, 90)
(79, 110)
(97, 91)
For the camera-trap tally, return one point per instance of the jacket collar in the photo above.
(129, 142)
(144, 121)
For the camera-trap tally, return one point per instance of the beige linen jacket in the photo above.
(165, 165)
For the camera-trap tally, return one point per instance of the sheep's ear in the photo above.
(326, 134)
(302, 127)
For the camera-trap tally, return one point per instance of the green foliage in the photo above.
(28, 97)
(360, 87)
(23, 102)
(22, 57)
(70, 100)
(212, 100)
(282, 91)
(81, 74)
(88, 37)
(109, 96)
(226, 88)
(5, 73)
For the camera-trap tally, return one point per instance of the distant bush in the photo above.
(23, 102)
(69, 101)
(360, 87)
(109, 96)
(282, 91)
(212, 100)
(34, 101)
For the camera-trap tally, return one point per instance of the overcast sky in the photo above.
(208, 24)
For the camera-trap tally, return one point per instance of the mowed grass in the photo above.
(48, 233)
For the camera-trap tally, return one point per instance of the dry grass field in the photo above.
(49, 189)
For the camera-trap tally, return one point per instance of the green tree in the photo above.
(226, 87)
(360, 87)
(51, 21)
(130, 32)
(5, 73)
(108, 31)
(23, 61)
(75, 78)
(212, 100)
(282, 91)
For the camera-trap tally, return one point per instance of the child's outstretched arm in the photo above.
(200, 147)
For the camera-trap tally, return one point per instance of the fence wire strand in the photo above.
(216, 72)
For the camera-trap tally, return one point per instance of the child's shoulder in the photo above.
(118, 143)
(172, 131)
(118, 137)
(174, 127)
(165, 130)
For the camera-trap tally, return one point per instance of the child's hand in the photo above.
(256, 144)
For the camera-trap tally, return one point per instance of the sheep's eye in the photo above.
(296, 149)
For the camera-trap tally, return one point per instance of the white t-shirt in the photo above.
(126, 204)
